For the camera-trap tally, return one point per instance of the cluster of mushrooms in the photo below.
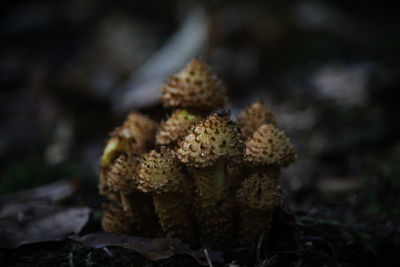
(197, 176)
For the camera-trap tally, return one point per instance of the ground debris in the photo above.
(151, 248)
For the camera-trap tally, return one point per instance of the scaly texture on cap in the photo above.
(140, 130)
(269, 145)
(195, 86)
(175, 216)
(252, 117)
(160, 172)
(122, 172)
(260, 192)
(115, 220)
(209, 140)
(134, 136)
(175, 126)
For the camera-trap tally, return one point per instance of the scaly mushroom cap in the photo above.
(196, 86)
(115, 220)
(160, 172)
(175, 126)
(260, 192)
(252, 117)
(209, 140)
(269, 145)
(122, 172)
(140, 130)
(134, 136)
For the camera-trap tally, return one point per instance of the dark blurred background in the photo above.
(70, 71)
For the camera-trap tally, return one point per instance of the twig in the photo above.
(259, 244)
(107, 251)
(208, 258)
(71, 259)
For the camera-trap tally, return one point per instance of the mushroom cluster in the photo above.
(198, 175)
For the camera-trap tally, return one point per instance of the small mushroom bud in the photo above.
(252, 117)
(161, 174)
(176, 126)
(208, 147)
(134, 136)
(136, 133)
(196, 86)
(270, 146)
(258, 196)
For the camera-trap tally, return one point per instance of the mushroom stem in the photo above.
(253, 223)
(213, 206)
(175, 216)
(138, 206)
(115, 220)
(259, 196)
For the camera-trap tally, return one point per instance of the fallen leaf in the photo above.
(15, 203)
(53, 227)
(33, 216)
(153, 249)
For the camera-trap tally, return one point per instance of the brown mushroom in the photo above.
(195, 86)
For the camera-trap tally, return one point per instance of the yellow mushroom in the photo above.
(176, 126)
(258, 196)
(195, 86)
(122, 186)
(134, 136)
(208, 147)
(270, 146)
(161, 174)
(252, 117)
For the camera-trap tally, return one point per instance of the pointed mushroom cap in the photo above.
(195, 86)
(252, 117)
(160, 172)
(269, 145)
(136, 133)
(259, 192)
(175, 126)
(209, 140)
(122, 172)
(139, 129)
